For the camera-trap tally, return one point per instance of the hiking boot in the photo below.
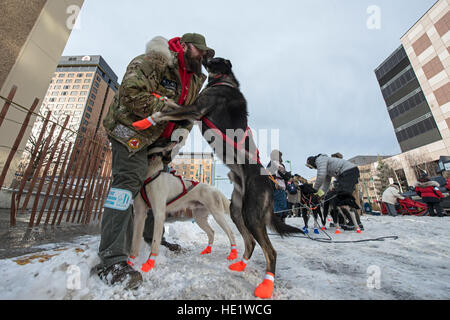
(348, 227)
(121, 272)
(361, 227)
(171, 246)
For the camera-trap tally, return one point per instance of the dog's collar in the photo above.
(221, 80)
(224, 83)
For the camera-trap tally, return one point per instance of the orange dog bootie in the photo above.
(150, 264)
(233, 253)
(265, 288)
(131, 261)
(239, 266)
(207, 250)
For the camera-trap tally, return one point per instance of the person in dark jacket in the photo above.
(429, 192)
(278, 170)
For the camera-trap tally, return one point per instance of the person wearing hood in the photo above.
(168, 69)
(389, 198)
(429, 191)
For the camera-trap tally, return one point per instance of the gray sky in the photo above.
(305, 67)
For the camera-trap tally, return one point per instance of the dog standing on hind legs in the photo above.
(222, 108)
(165, 192)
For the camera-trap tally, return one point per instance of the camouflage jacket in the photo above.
(153, 72)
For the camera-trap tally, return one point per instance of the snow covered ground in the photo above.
(415, 266)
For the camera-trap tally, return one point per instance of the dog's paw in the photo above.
(170, 105)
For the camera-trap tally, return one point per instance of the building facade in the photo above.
(196, 166)
(415, 83)
(82, 87)
(33, 34)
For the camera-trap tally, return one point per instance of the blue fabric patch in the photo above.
(119, 199)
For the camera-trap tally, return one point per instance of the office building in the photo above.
(415, 83)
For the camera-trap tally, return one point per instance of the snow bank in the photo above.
(415, 266)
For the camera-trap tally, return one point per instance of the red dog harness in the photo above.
(185, 190)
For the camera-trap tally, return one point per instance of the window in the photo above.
(61, 75)
(69, 80)
(71, 75)
(80, 75)
(91, 102)
(87, 115)
(62, 100)
(89, 109)
(88, 74)
(64, 93)
(69, 106)
(59, 106)
(85, 87)
(96, 84)
(87, 80)
(66, 87)
(76, 86)
(52, 99)
(57, 87)
(81, 99)
(93, 96)
(55, 93)
(98, 78)
(77, 80)
(59, 81)
(79, 106)
(83, 93)
(73, 93)
(71, 99)
(94, 90)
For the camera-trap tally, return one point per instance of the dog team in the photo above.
(148, 122)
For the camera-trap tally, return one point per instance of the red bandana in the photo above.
(175, 46)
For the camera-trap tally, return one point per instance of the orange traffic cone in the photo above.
(337, 231)
(358, 230)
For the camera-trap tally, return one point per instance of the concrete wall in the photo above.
(33, 52)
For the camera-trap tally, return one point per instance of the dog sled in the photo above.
(408, 207)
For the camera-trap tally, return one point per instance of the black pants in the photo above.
(347, 180)
(434, 208)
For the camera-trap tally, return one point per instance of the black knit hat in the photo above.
(312, 162)
(424, 178)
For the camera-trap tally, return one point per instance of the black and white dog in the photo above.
(222, 109)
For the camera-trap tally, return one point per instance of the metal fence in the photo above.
(61, 180)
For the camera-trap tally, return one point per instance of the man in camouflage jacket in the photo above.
(171, 69)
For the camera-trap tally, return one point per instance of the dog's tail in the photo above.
(282, 228)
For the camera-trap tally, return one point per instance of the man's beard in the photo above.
(192, 64)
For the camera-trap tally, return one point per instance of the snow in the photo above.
(415, 266)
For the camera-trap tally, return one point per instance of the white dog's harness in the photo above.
(172, 172)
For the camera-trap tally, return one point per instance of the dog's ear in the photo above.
(228, 63)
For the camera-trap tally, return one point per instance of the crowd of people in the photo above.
(287, 194)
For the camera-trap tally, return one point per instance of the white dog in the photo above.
(163, 193)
